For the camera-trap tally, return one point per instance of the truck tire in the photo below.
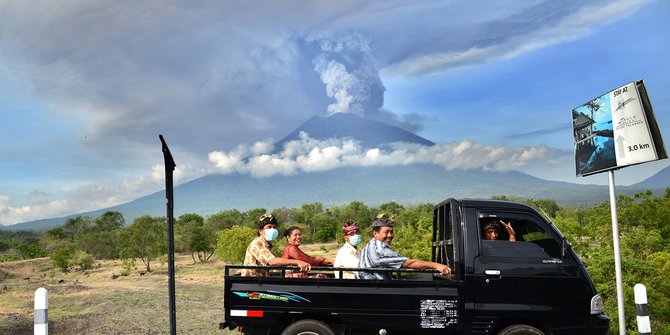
(520, 330)
(308, 327)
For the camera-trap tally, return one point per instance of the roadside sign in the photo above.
(615, 130)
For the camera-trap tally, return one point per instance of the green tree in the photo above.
(190, 218)
(145, 239)
(203, 243)
(414, 231)
(29, 250)
(62, 258)
(327, 227)
(232, 243)
(309, 215)
(225, 219)
(355, 211)
(109, 221)
(77, 226)
(392, 208)
(183, 230)
(643, 252)
(546, 206)
(82, 260)
(251, 217)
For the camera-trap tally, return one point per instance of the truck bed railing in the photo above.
(281, 270)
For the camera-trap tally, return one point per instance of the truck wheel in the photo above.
(308, 327)
(520, 330)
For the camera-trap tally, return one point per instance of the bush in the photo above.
(62, 258)
(128, 266)
(83, 260)
(232, 243)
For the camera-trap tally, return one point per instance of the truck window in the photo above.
(532, 239)
(443, 246)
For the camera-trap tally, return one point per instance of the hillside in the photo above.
(404, 184)
(372, 185)
(660, 179)
(370, 133)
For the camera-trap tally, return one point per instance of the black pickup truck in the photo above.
(535, 285)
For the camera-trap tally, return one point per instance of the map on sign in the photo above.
(616, 129)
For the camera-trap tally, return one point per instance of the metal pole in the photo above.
(617, 255)
(169, 167)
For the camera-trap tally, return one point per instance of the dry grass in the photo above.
(91, 302)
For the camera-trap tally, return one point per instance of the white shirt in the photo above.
(347, 257)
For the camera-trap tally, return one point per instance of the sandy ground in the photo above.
(98, 301)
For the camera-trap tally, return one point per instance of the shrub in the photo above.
(232, 243)
(62, 258)
(83, 260)
(128, 266)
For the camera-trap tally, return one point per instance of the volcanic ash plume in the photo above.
(349, 73)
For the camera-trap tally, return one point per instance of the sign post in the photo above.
(169, 168)
(612, 131)
(617, 256)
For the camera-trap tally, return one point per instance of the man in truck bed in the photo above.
(378, 253)
(259, 251)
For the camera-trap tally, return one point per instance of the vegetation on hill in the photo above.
(644, 227)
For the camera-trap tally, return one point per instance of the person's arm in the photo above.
(295, 253)
(278, 261)
(418, 264)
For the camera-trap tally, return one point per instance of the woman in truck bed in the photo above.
(292, 251)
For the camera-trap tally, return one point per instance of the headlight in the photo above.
(597, 305)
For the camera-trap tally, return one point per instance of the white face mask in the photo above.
(355, 240)
(271, 234)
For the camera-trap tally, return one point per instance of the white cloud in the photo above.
(310, 155)
(93, 196)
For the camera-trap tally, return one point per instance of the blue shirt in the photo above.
(377, 254)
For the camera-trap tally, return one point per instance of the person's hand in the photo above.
(304, 266)
(510, 230)
(444, 270)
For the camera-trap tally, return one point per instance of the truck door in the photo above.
(531, 278)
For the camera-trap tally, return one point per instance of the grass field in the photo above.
(92, 302)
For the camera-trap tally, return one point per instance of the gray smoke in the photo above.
(348, 70)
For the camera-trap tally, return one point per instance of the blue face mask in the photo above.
(355, 240)
(271, 234)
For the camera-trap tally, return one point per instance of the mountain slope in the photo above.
(660, 179)
(369, 132)
(408, 184)
(372, 185)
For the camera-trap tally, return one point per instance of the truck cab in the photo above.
(536, 281)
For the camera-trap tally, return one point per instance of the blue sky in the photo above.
(86, 87)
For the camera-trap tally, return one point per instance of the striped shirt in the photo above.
(377, 254)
